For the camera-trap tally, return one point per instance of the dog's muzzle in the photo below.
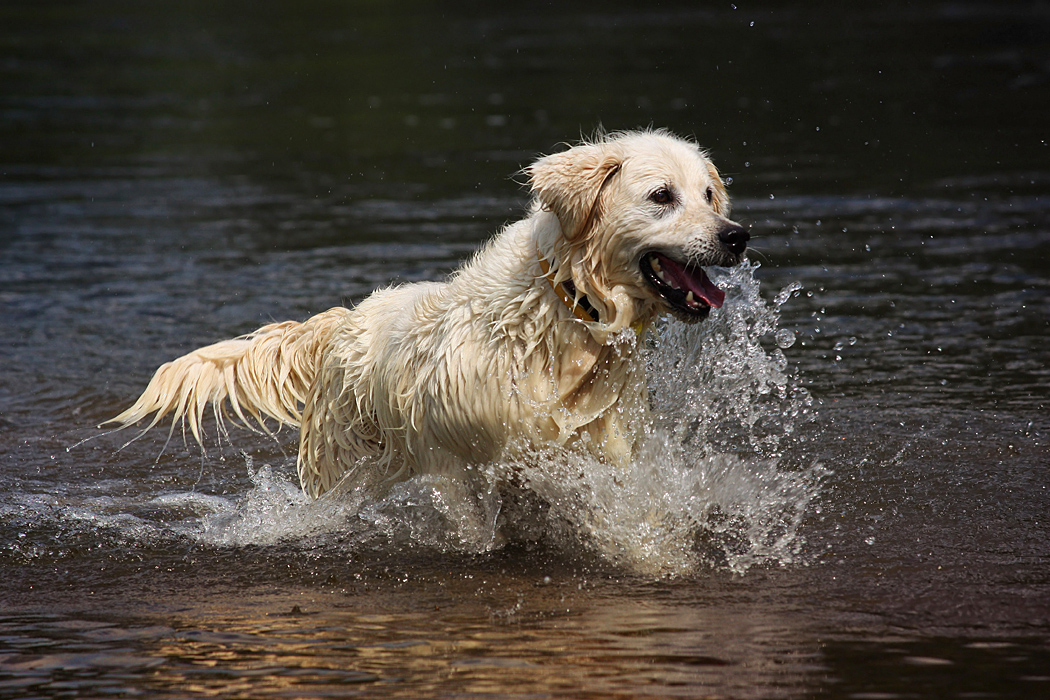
(683, 286)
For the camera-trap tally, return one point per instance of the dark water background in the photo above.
(172, 174)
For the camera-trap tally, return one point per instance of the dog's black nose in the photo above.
(735, 238)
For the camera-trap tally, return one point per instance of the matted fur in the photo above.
(439, 377)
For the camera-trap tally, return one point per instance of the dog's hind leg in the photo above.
(268, 373)
(338, 435)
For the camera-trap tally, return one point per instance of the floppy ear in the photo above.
(721, 200)
(569, 184)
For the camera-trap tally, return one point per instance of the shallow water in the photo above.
(845, 493)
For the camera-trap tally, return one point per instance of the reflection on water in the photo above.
(844, 495)
(545, 640)
(547, 643)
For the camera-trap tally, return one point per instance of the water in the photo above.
(845, 491)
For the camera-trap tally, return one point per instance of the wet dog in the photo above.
(532, 344)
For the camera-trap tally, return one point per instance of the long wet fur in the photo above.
(445, 377)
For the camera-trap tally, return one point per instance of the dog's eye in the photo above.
(662, 196)
(709, 194)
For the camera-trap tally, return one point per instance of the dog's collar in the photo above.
(580, 307)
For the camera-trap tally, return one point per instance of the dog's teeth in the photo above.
(660, 274)
(655, 264)
(689, 298)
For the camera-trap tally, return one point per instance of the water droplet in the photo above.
(869, 540)
(747, 164)
(785, 338)
(772, 197)
(729, 181)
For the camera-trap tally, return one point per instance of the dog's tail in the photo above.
(267, 373)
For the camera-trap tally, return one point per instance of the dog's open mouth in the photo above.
(685, 288)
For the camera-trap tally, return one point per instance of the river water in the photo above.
(845, 494)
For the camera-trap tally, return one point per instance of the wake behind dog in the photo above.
(531, 345)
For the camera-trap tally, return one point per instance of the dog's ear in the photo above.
(720, 203)
(569, 184)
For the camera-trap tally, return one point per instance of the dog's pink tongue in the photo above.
(692, 279)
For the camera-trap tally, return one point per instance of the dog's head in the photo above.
(640, 214)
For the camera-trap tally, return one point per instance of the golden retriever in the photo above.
(531, 344)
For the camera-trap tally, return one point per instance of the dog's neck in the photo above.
(579, 305)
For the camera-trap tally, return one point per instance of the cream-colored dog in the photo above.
(531, 344)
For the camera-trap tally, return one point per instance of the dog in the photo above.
(532, 344)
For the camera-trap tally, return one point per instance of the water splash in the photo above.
(674, 510)
(275, 509)
(427, 511)
(711, 485)
(716, 387)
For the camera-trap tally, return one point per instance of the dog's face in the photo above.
(643, 212)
